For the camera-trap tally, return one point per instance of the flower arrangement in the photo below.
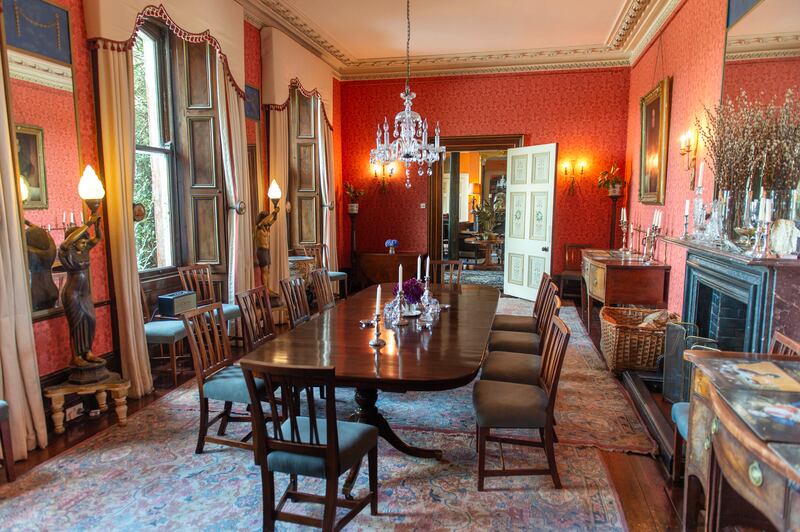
(487, 214)
(353, 193)
(391, 243)
(610, 178)
(412, 290)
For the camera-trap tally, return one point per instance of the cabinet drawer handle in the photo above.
(754, 472)
(707, 443)
(715, 425)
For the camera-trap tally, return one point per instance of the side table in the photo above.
(114, 384)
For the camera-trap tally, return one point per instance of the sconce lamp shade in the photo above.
(274, 192)
(24, 193)
(90, 187)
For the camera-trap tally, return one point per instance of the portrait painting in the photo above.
(655, 108)
(30, 155)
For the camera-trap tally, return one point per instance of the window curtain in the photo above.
(116, 114)
(241, 272)
(279, 171)
(327, 186)
(19, 372)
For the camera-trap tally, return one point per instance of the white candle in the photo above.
(71, 218)
(419, 266)
(428, 267)
(655, 217)
(378, 302)
(686, 208)
(761, 205)
(400, 276)
(768, 211)
(623, 215)
(700, 177)
(660, 217)
(64, 217)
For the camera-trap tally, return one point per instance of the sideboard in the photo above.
(375, 268)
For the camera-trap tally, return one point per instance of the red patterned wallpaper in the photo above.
(52, 339)
(583, 111)
(252, 70)
(690, 49)
(762, 78)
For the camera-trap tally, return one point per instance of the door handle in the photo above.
(546, 248)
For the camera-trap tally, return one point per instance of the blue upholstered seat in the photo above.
(231, 311)
(680, 415)
(164, 331)
(3, 410)
(355, 440)
(228, 385)
(337, 276)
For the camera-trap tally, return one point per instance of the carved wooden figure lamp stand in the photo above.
(77, 296)
(263, 224)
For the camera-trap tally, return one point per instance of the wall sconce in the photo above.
(382, 172)
(688, 149)
(572, 171)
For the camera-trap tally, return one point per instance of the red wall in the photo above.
(762, 78)
(690, 49)
(52, 336)
(583, 111)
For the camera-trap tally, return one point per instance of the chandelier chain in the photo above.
(408, 44)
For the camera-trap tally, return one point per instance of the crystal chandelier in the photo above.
(410, 144)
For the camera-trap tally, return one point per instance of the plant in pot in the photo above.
(488, 214)
(611, 180)
(353, 194)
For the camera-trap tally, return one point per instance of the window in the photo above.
(153, 184)
(305, 220)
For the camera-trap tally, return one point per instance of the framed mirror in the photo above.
(42, 93)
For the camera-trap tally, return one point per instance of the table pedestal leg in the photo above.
(58, 413)
(368, 413)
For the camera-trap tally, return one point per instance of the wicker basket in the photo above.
(626, 346)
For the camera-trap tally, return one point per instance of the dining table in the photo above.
(416, 357)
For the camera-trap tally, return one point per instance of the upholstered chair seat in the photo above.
(506, 322)
(516, 342)
(164, 331)
(337, 276)
(228, 385)
(507, 405)
(231, 311)
(3, 410)
(5, 442)
(506, 366)
(355, 440)
(680, 416)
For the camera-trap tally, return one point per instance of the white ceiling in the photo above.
(769, 17)
(370, 29)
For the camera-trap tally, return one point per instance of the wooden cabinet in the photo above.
(376, 268)
(613, 280)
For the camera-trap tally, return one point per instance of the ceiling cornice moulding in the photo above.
(38, 70)
(636, 24)
(762, 46)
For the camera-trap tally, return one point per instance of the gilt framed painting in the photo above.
(655, 108)
(30, 155)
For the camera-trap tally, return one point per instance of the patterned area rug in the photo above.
(484, 277)
(146, 476)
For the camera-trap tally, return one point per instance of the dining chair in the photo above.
(783, 345)
(446, 274)
(573, 259)
(217, 376)
(197, 278)
(5, 442)
(508, 405)
(528, 342)
(322, 259)
(508, 322)
(164, 331)
(308, 445)
(323, 289)
(294, 294)
(257, 322)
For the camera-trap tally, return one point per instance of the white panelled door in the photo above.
(529, 218)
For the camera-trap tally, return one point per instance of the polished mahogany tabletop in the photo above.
(445, 357)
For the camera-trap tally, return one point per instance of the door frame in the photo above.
(458, 144)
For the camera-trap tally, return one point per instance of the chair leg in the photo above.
(8, 451)
(482, 433)
(677, 456)
(373, 479)
(268, 497)
(201, 436)
(173, 359)
(551, 456)
(223, 423)
(329, 514)
(345, 283)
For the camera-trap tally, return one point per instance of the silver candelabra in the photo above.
(377, 341)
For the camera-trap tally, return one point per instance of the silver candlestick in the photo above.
(377, 341)
(761, 249)
(400, 309)
(685, 235)
(624, 249)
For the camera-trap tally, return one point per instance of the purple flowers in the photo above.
(412, 290)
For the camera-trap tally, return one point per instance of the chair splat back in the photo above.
(446, 273)
(259, 327)
(550, 308)
(208, 340)
(316, 251)
(197, 278)
(541, 294)
(323, 289)
(294, 382)
(294, 293)
(553, 353)
(783, 345)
